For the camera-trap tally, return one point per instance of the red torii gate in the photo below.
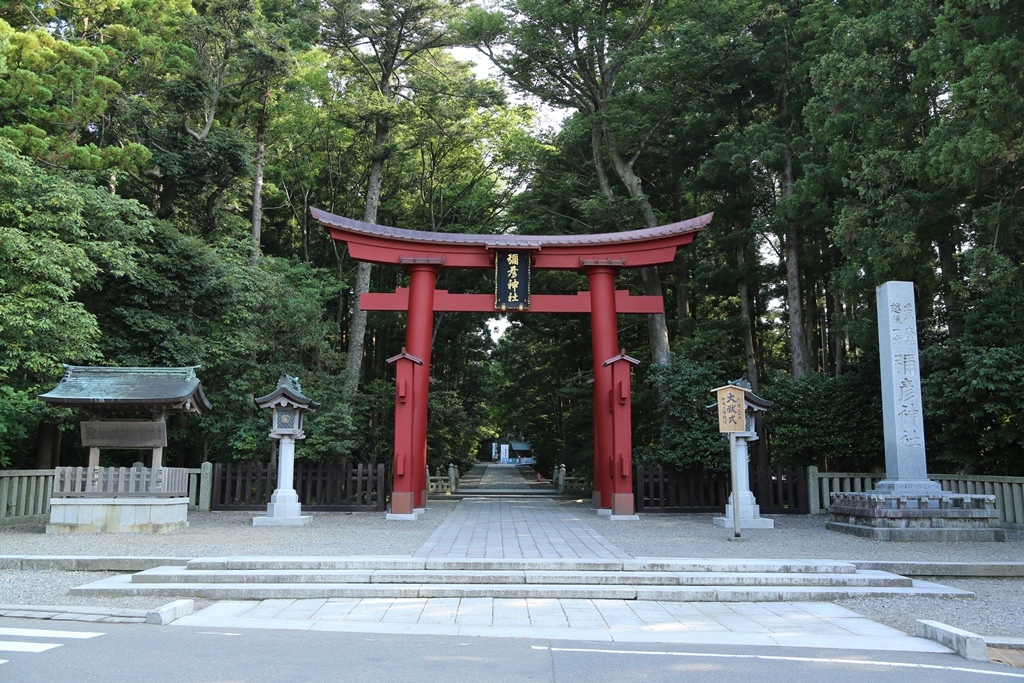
(599, 256)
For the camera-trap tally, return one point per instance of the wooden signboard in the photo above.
(732, 409)
(111, 434)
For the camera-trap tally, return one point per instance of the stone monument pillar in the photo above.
(902, 417)
(906, 505)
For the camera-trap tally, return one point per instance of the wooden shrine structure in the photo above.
(513, 257)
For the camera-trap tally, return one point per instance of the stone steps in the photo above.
(561, 578)
(663, 579)
(641, 564)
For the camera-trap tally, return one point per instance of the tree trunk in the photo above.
(798, 348)
(684, 305)
(357, 320)
(47, 443)
(657, 325)
(257, 185)
(746, 311)
(947, 261)
(180, 452)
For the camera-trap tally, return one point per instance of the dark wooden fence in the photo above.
(321, 487)
(661, 488)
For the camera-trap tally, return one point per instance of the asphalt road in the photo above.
(139, 653)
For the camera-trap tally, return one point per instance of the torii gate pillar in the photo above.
(605, 343)
(409, 481)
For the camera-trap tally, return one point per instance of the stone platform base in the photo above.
(117, 515)
(924, 517)
(281, 521)
(745, 522)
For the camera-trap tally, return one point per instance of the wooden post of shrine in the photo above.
(403, 484)
(620, 405)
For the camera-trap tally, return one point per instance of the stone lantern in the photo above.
(737, 407)
(288, 405)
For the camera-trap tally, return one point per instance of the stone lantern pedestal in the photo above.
(749, 511)
(288, 405)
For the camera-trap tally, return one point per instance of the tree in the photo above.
(617, 65)
(57, 236)
(384, 39)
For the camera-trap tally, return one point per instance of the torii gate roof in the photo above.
(630, 249)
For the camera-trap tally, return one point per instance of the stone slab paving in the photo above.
(483, 477)
(752, 624)
(516, 528)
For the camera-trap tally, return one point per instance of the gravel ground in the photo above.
(794, 537)
(998, 609)
(50, 587)
(216, 534)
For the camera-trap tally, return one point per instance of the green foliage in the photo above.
(37, 73)
(834, 423)
(689, 435)
(971, 383)
(57, 237)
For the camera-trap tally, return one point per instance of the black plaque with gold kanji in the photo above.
(512, 280)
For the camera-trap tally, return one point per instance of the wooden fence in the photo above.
(778, 490)
(25, 496)
(1008, 491)
(321, 487)
(120, 482)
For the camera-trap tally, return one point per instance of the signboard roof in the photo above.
(85, 386)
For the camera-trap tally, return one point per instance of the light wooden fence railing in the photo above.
(25, 496)
(106, 482)
(1009, 491)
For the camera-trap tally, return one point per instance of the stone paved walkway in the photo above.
(741, 623)
(516, 528)
(484, 477)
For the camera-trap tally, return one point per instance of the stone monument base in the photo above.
(939, 516)
(117, 515)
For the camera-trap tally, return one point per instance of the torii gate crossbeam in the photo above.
(600, 257)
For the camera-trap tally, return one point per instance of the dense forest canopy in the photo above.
(158, 160)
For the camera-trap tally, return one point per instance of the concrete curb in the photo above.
(88, 563)
(1005, 643)
(966, 644)
(989, 570)
(170, 612)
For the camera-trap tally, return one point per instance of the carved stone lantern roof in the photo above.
(125, 388)
(288, 391)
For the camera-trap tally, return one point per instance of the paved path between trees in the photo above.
(516, 528)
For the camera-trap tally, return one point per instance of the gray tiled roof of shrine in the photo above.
(88, 386)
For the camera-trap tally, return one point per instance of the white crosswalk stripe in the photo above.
(43, 633)
(34, 646)
(15, 646)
